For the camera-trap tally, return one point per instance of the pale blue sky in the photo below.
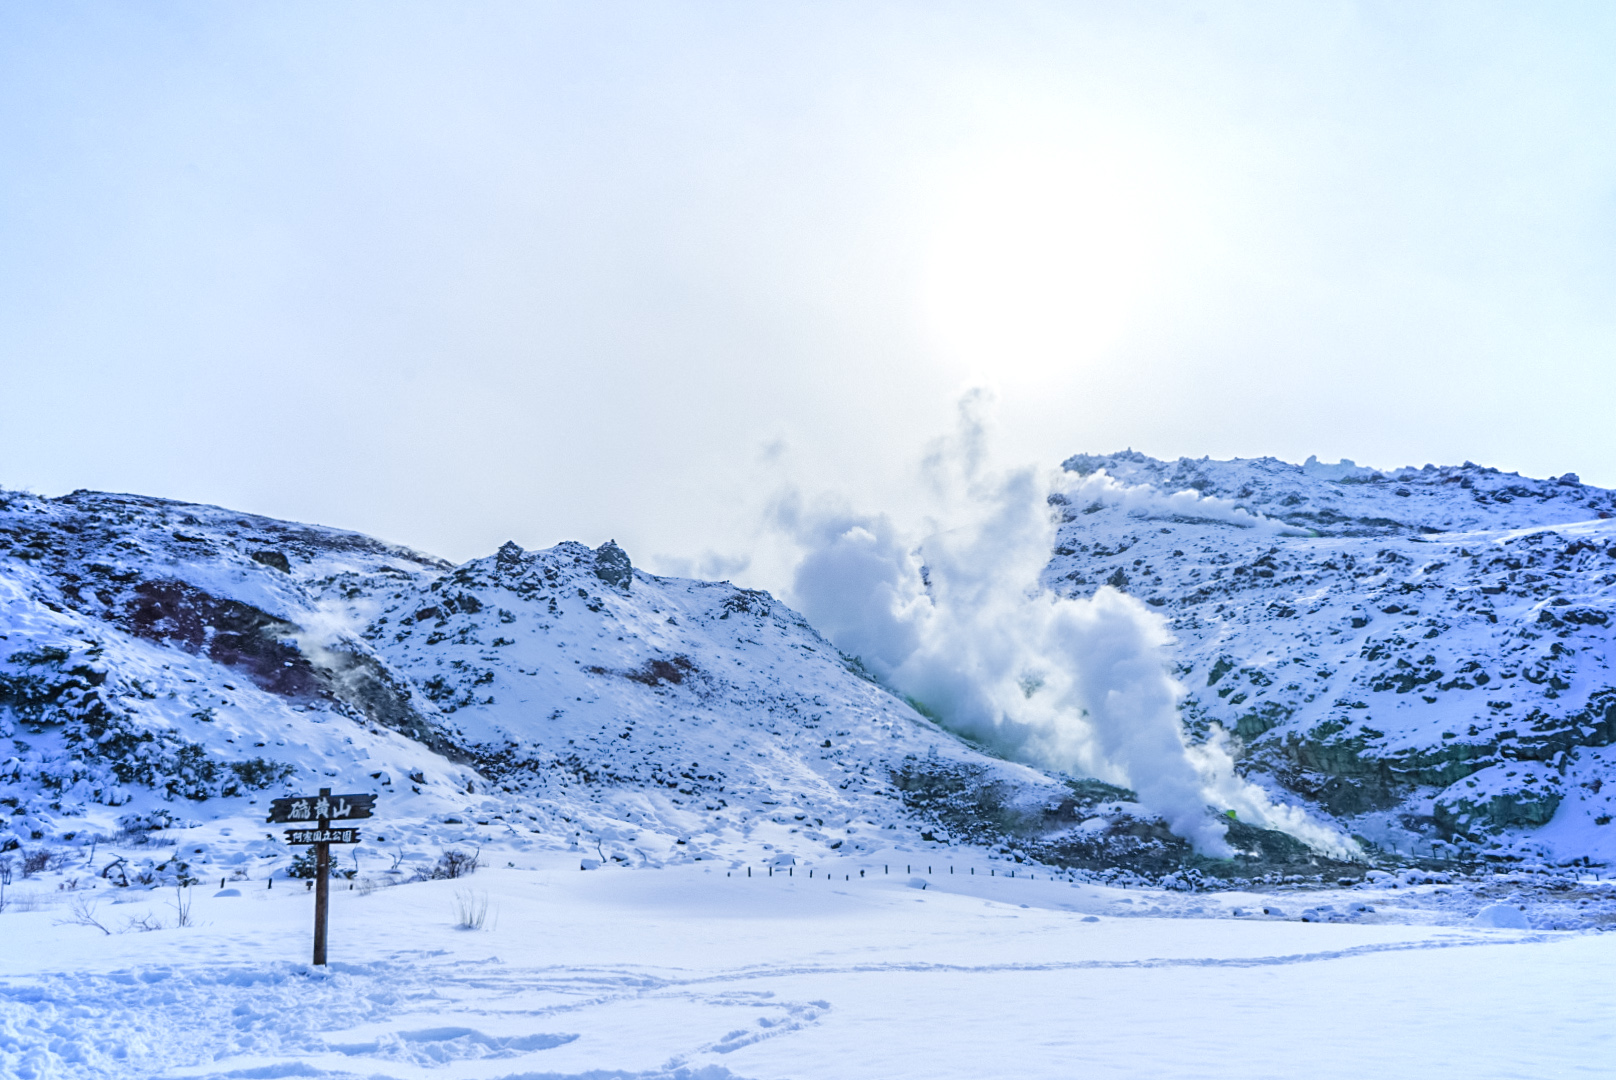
(458, 273)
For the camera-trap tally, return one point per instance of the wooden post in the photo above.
(322, 888)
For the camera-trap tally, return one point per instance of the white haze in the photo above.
(953, 615)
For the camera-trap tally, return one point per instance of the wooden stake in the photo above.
(322, 888)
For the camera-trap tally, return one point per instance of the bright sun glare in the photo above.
(1041, 257)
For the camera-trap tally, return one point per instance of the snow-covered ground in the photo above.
(703, 972)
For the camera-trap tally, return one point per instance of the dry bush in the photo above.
(471, 909)
(82, 913)
(450, 865)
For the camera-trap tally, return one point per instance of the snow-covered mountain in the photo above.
(1422, 653)
(168, 668)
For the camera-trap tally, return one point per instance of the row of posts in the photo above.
(885, 869)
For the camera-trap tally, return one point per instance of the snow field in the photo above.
(686, 972)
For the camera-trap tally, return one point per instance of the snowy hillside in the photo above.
(1421, 656)
(1423, 653)
(168, 668)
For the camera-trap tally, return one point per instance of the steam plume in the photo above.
(959, 622)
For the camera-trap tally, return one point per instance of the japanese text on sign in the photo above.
(322, 836)
(322, 808)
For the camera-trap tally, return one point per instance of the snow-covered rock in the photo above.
(1502, 916)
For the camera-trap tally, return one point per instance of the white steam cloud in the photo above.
(960, 623)
(1102, 489)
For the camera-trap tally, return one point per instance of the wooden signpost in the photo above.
(321, 810)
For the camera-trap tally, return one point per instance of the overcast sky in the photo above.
(459, 273)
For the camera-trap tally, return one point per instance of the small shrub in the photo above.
(260, 773)
(450, 865)
(471, 909)
(137, 828)
(84, 914)
(182, 907)
(34, 862)
(306, 865)
(168, 872)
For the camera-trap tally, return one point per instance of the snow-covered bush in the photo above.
(451, 864)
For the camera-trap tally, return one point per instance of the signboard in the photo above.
(322, 836)
(322, 807)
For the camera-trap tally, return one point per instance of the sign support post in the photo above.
(322, 885)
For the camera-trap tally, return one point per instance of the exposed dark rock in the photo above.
(612, 566)
(273, 559)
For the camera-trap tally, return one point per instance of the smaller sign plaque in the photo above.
(322, 836)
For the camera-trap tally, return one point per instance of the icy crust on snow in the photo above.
(165, 669)
(1423, 653)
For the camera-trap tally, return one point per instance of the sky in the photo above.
(453, 274)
